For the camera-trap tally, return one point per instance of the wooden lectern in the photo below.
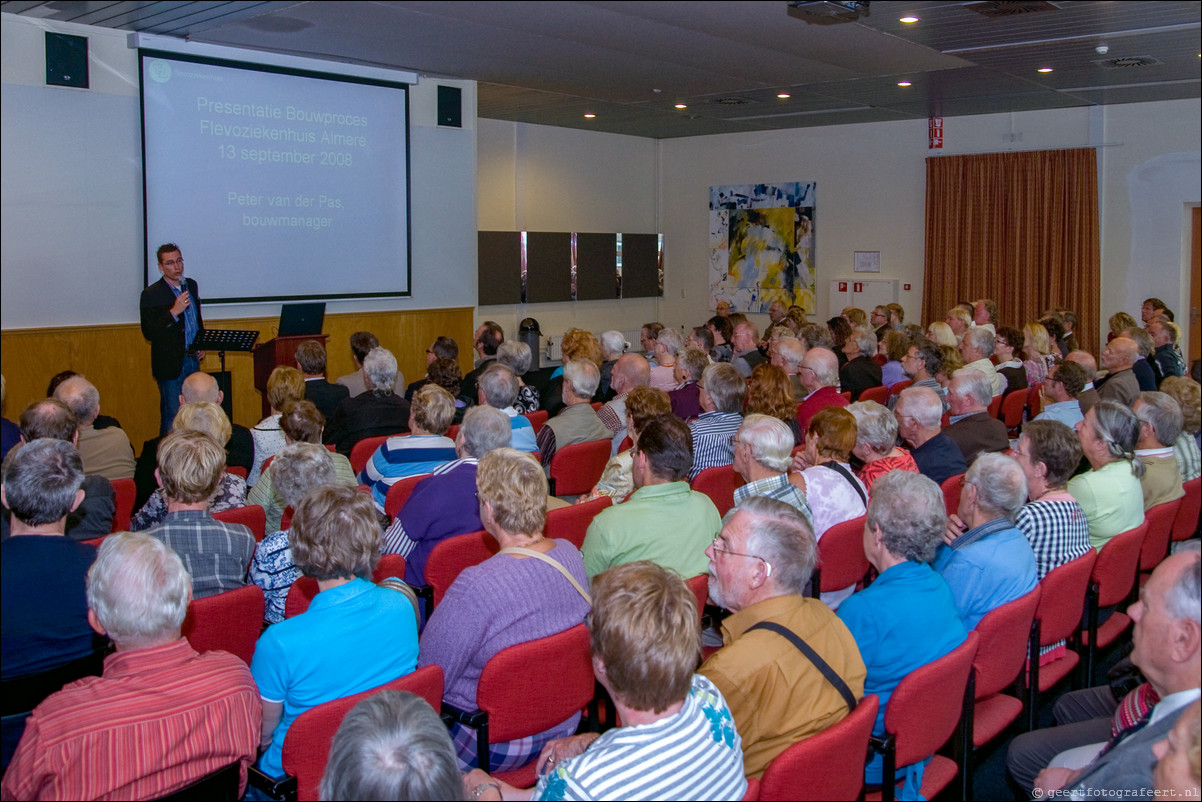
(280, 351)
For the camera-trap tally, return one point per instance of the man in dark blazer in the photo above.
(972, 428)
(171, 319)
(311, 361)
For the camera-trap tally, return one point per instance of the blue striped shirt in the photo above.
(711, 440)
(406, 455)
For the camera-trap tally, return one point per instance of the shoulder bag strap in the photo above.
(538, 555)
(401, 586)
(813, 656)
(851, 480)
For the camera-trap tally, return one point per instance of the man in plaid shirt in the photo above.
(763, 451)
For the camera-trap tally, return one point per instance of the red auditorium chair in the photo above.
(877, 394)
(1159, 537)
(571, 523)
(575, 469)
(1061, 603)
(1187, 524)
(251, 516)
(125, 493)
(719, 483)
(399, 493)
(952, 486)
(841, 560)
(301, 594)
(448, 559)
(1111, 583)
(826, 766)
(230, 621)
(361, 452)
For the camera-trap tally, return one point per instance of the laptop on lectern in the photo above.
(299, 320)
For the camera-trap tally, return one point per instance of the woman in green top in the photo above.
(1110, 493)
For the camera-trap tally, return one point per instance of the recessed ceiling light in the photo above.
(904, 83)
(1044, 69)
(908, 20)
(681, 106)
(589, 116)
(783, 95)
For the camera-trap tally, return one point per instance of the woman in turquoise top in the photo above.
(1110, 494)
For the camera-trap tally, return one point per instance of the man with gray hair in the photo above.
(444, 504)
(1160, 422)
(613, 345)
(986, 560)
(819, 378)
(1089, 393)
(745, 344)
(759, 567)
(787, 354)
(172, 716)
(721, 396)
(630, 371)
(107, 451)
(377, 412)
(919, 414)
(1119, 384)
(861, 371)
(907, 617)
(577, 422)
(498, 387)
(43, 614)
(972, 428)
(976, 348)
(763, 452)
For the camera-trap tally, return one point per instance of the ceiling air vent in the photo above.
(731, 101)
(1124, 62)
(1009, 8)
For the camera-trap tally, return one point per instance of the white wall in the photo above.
(71, 239)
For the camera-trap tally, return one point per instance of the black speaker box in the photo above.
(66, 60)
(450, 106)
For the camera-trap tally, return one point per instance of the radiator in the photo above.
(552, 351)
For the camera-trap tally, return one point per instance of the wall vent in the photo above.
(1123, 62)
(1009, 8)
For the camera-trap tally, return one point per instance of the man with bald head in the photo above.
(1119, 384)
(819, 379)
(1089, 393)
(107, 451)
(630, 371)
(746, 348)
(786, 354)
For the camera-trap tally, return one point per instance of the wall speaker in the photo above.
(450, 106)
(66, 60)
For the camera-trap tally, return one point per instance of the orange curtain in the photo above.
(1020, 228)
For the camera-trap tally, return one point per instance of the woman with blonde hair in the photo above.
(285, 385)
(1037, 352)
(941, 334)
(209, 419)
(576, 344)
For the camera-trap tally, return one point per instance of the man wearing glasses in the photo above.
(759, 566)
(170, 315)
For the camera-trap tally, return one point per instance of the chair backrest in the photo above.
(952, 486)
(877, 394)
(626, 444)
(1034, 399)
(1013, 406)
(925, 708)
(575, 469)
(1185, 525)
(361, 452)
(399, 493)
(448, 559)
(125, 493)
(1160, 530)
(1002, 652)
(219, 786)
(571, 522)
(238, 470)
(847, 395)
(304, 589)
(1117, 565)
(841, 559)
(718, 483)
(537, 419)
(995, 406)
(700, 585)
(1063, 598)
(252, 516)
(897, 387)
(307, 744)
(826, 766)
(532, 686)
(230, 621)
(286, 519)
(452, 431)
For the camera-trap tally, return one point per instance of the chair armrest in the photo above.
(283, 789)
(468, 718)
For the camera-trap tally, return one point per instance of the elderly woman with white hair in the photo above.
(517, 357)
(876, 443)
(668, 345)
(861, 371)
(1110, 493)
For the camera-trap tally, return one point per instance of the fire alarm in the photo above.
(906, 287)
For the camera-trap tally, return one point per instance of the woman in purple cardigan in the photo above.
(490, 606)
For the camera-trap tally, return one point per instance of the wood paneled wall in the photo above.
(117, 360)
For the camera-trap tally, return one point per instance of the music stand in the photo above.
(222, 340)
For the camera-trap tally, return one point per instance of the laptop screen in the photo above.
(298, 320)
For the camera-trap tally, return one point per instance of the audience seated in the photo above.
(1053, 521)
(907, 617)
(442, 348)
(216, 554)
(769, 393)
(923, 360)
(445, 373)
(1089, 395)
(819, 378)
(161, 717)
(876, 443)
(787, 354)
(745, 348)
(105, 452)
(44, 612)
(989, 562)
(894, 345)
(1165, 360)
(209, 419)
(296, 469)
(1186, 392)
(1120, 383)
(1110, 493)
(613, 345)
(976, 348)
(984, 315)
(919, 413)
(1160, 422)
(822, 473)
(311, 362)
(630, 371)
(1006, 345)
(498, 387)
(722, 394)
(641, 405)
(425, 448)
(1061, 388)
(676, 738)
(941, 334)
(490, 606)
(93, 517)
(392, 745)
(1036, 352)
(861, 371)
(647, 335)
(576, 345)
(972, 428)
(1177, 769)
(486, 342)
(577, 422)
(722, 329)
(285, 386)
(759, 566)
(362, 342)
(668, 345)
(1144, 373)
(763, 452)
(10, 433)
(686, 398)
(516, 356)
(354, 636)
(371, 414)
(958, 320)
(445, 504)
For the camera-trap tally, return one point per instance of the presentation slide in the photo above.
(276, 184)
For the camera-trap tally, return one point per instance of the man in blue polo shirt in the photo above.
(498, 386)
